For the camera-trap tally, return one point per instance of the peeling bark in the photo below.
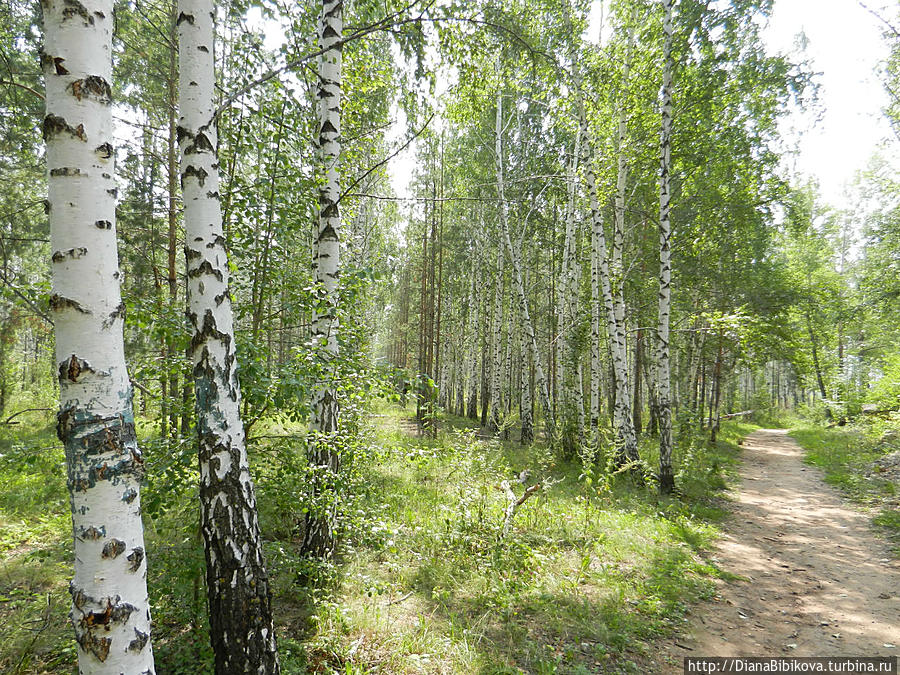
(241, 626)
(103, 462)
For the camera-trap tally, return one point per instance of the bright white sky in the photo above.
(845, 46)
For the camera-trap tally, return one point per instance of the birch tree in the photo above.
(324, 460)
(110, 607)
(602, 286)
(626, 432)
(663, 377)
(524, 314)
(496, 418)
(241, 628)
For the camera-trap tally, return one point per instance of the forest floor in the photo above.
(810, 577)
(595, 576)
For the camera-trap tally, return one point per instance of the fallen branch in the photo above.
(513, 503)
(399, 600)
(737, 414)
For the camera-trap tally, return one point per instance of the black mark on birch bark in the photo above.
(139, 642)
(73, 253)
(117, 313)
(72, 368)
(72, 8)
(113, 548)
(66, 171)
(98, 646)
(200, 174)
(59, 303)
(136, 557)
(93, 87)
(92, 533)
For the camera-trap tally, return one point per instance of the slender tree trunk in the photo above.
(572, 427)
(626, 441)
(820, 381)
(243, 640)
(617, 272)
(472, 351)
(496, 418)
(595, 326)
(423, 303)
(663, 371)
(110, 607)
(524, 314)
(323, 457)
(637, 406)
(172, 360)
(715, 394)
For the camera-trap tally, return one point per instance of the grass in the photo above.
(850, 458)
(594, 569)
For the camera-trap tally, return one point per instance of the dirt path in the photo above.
(818, 583)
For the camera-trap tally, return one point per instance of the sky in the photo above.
(845, 46)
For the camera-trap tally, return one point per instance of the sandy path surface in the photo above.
(817, 581)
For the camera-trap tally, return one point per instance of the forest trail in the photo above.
(814, 579)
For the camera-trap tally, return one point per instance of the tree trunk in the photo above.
(496, 419)
(524, 314)
(472, 352)
(595, 328)
(243, 639)
(572, 413)
(625, 438)
(110, 608)
(617, 272)
(323, 458)
(638, 404)
(663, 371)
(820, 381)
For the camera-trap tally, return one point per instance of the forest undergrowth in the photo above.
(593, 569)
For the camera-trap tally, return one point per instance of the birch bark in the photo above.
(323, 458)
(110, 608)
(241, 628)
(663, 371)
(524, 314)
(572, 414)
(626, 440)
(595, 327)
(627, 436)
(496, 419)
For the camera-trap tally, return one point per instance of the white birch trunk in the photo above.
(524, 314)
(663, 372)
(236, 578)
(626, 439)
(572, 413)
(324, 460)
(496, 417)
(623, 391)
(472, 370)
(110, 608)
(595, 320)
